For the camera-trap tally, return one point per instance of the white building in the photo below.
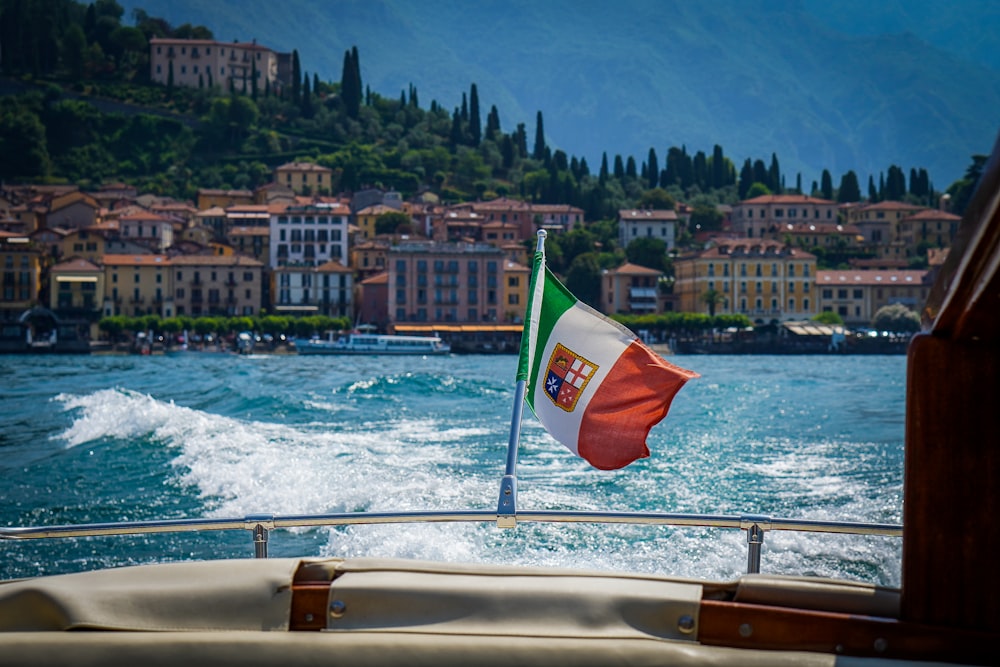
(308, 235)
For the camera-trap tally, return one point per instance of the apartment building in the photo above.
(856, 295)
(928, 227)
(76, 290)
(516, 281)
(879, 224)
(446, 282)
(202, 63)
(762, 279)
(308, 234)
(150, 230)
(20, 275)
(767, 216)
(137, 285)
(630, 289)
(646, 223)
(305, 178)
(327, 289)
(216, 285)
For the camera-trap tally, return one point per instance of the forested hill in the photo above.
(842, 87)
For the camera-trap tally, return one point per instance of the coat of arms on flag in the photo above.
(566, 376)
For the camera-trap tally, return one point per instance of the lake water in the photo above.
(115, 438)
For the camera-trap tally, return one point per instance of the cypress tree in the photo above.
(296, 78)
(307, 106)
(760, 174)
(507, 151)
(746, 179)
(492, 123)
(774, 175)
(521, 140)
(619, 167)
(798, 182)
(253, 79)
(465, 109)
(699, 170)
(653, 169)
(630, 167)
(539, 152)
(603, 174)
(849, 190)
(872, 192)
(475, 126)
(718, 164)
(826, 187)
(455, 138)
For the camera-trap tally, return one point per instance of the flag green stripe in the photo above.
(556, 300)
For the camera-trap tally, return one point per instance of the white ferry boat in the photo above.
(366, 343)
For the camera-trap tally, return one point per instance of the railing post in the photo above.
(260, 524)
(755, 527)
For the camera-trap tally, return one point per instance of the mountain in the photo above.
(790, 77)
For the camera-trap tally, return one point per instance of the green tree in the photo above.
(828, 317)
(475, 123)
(657, 199)
(649, 252)
(584, 278)
(705, 217)
(849, 190)
(826, 185)
(539, 152)
(391, 222)
(896, 318)
(712, 298)
(22, 144)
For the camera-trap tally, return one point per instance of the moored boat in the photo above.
(366, 343)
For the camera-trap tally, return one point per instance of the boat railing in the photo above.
(261, 525)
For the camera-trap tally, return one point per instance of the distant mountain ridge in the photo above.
(755, 77)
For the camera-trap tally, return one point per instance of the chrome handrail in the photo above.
(260, 525)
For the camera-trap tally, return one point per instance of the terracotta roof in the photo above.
(647, 214)
(304, 166)
(635, 270)
(787, 199)
(332, 266)
(870, 277)
(933, 214)
(214, 260)
(136, 260)
(75, 265)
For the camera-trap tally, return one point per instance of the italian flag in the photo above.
(593, 385)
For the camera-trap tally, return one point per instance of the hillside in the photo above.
(757, 78)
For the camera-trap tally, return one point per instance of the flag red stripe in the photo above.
(634, 397)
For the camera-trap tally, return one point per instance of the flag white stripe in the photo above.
(602, 344)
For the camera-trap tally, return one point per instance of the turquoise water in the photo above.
(115, 438)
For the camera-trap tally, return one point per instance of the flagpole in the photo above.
(507, 504)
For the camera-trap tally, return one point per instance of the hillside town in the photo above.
(459, 270)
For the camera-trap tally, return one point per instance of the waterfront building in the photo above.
(516, 281)
(763, 279)
(308, 234)
(767, 216)
(327, 289)
(20, 275)
(445, 282)
(372, 299)
(215, 285)
(630, 289)
(137, 285)
(204, 63)
(856, 295)
(646, 223)
(76, 291)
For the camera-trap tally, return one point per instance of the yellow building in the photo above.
(366, 218)
(137, 285)
(516, 279)
(762, 279)
(304, 178)
(76, 291)
(20, 275)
